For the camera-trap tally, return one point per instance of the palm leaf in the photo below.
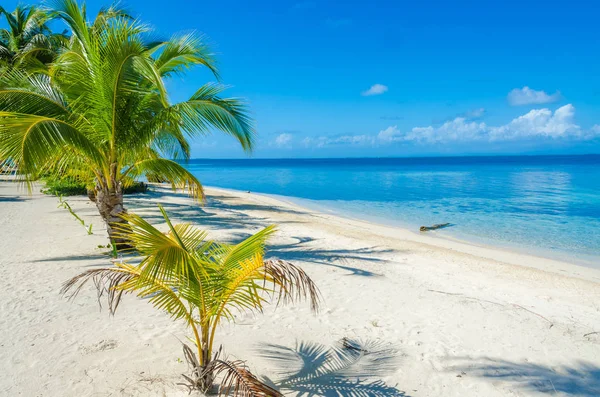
(32, 140)
(171, 171)
(205, 109)
(181, 53)
(239, 381)
(106, 280)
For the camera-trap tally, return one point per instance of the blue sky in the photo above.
(446, 77)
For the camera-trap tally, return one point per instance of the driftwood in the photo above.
(436, 226)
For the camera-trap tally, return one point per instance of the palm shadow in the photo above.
(89, 257)
(145, 206)
(12, 199)
(301, 251)
(581, 379)
(232, 216)
(352, 368)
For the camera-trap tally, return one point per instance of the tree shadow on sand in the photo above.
(582, 379)
(350, 369)
(233, 216)
(12, 199)
(339, 258)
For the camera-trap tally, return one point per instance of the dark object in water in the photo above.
(436, 226)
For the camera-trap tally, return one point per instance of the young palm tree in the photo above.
(28, 41)
(103, 109)
(201, 283)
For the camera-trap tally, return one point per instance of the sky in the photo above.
(396, 78)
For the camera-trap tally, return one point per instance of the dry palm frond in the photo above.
(239, 380)
(106, 280)
(293, 282)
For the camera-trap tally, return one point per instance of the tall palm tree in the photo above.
(28, 41)
(103, 109)
(201, 283)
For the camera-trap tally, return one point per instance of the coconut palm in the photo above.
(103, 109)
(201, 283)
(28, 41)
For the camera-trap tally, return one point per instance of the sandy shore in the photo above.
(440, 318)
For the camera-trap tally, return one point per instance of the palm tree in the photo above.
(28, 41)
(103, 109)
(201, 283)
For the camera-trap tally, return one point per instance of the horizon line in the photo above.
(395, 157)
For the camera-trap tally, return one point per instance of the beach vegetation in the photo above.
(28, 42)
(65, 204)
(72, 186)
(102, 109)
(201, 283)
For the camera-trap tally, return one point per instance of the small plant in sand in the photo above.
(64, 204)
(202, 283)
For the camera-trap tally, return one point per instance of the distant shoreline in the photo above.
(454, 157)
(507, 255)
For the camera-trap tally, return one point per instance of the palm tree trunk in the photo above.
(207, 374)
(207, 378)
(202, 377)
(110, 204)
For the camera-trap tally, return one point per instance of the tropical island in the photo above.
(212, 290)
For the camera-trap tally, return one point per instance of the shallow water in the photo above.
(546, 205)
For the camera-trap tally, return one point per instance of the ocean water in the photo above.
(544, 205)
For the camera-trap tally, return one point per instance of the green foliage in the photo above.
(28, 42)
(102, 108)
(201, 283)
(114, 251)
(69, 186)
(63, 186)
(64, 204)
(136, 187)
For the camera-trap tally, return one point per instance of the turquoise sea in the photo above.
(544, 205)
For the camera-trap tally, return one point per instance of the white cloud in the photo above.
(540, 122)
(376, 89)
(389, 134)
(323, 141)
(459, 129)
(528, 96)
(283, 139)
(536, 124)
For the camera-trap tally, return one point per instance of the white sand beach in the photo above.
(437, 317)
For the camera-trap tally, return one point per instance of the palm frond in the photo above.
(182, 52)
(32, 140)
(171, 171)
(247, 280)
(229, 256)
(106, 280)
(167, 255)
(128, 279)
(206, 110)
(239, 381)
(106, 14)
(292, 283)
